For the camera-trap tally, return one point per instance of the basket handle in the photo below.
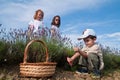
(26, 50)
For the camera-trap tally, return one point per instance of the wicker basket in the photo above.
(41, 69)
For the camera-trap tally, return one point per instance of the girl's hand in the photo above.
(31, 27)
(52, 30)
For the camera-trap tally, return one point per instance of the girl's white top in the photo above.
(55, 28)
(36, 24)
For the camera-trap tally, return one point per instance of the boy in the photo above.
(90, 55)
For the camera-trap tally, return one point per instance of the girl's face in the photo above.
(39, 15)
(89, 42)
(57, 20)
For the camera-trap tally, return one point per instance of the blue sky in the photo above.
(76, 15)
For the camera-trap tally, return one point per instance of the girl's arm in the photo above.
(31, 27)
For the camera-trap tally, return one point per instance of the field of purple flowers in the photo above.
(13, 43)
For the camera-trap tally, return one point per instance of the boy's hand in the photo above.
(101, 66)
(75, 48)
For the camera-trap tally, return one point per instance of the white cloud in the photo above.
(66, 5)
(78, 27)
(69, 28)
(117, 35)
(22, 11)
(112, 40)
(103, 23)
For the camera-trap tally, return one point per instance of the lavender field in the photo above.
(14, 41)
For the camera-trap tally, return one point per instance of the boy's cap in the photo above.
(87, 33)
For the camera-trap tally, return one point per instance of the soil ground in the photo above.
(12, 73)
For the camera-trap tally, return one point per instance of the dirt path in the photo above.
(13, 74)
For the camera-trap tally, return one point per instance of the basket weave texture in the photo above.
(39, 69)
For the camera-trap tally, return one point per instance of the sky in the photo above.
(103, 16)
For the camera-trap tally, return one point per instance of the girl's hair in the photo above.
(39, 10)
(53, 21)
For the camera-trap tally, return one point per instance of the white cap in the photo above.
(87, 33)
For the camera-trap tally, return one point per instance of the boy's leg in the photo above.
(93, 64)
(70, 60)
(93, 61)
(82, 65)
(83, 61)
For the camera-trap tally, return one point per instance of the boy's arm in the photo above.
(98, 51)
(76, 49)
(84, 54)
(100, 55)
(101, 61)
(101, 66)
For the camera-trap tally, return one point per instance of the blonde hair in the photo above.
(39, 10)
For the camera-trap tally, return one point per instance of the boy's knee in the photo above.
(92, 56)
(93, 59)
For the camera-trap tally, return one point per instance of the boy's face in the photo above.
(89, 42)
